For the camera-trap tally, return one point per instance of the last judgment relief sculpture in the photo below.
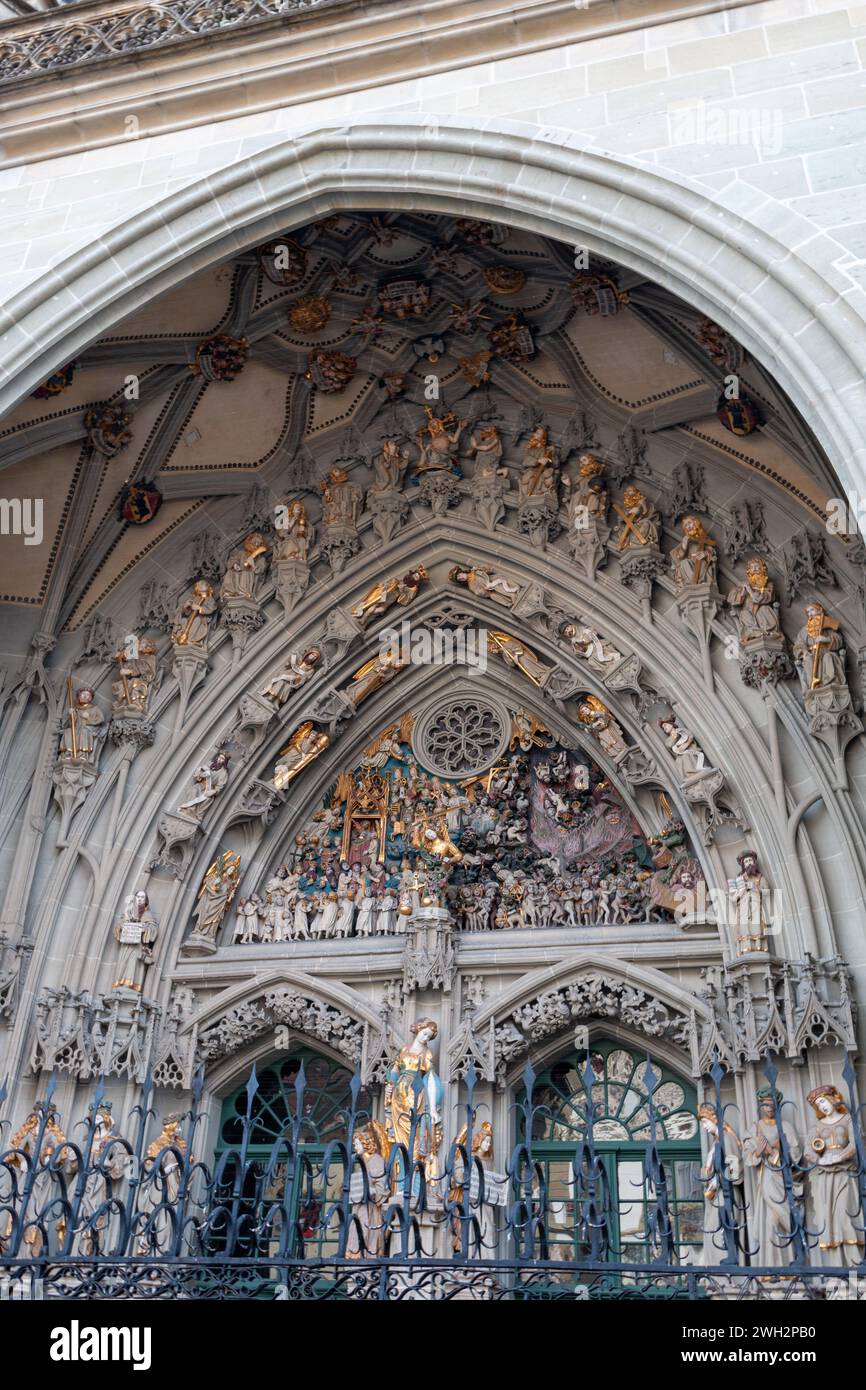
(540, 838)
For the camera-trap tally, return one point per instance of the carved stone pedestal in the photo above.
(175, 835)
(639, 569)
(429, 959)
(537, 519)
(131, 729)
(765, 662)
(72, 778)
(488, 496)
(291, 578)
(339, 544)
(389, 511)
(241, 617)
(439, 491)
(832, 721)
(255, 715)
(588, 545)
(196, 946)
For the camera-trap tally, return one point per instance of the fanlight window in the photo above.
(324, 1103)
(620, 1094)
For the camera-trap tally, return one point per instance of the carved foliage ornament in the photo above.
(592, 996)
(312, 1017)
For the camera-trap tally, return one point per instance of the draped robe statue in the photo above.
(400, 1100)
(833, 1180)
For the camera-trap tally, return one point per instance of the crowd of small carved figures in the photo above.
(540, 840)
(486, 845)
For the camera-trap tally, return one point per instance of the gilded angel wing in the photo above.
(383, 1143)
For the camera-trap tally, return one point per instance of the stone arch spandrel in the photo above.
(788, 312)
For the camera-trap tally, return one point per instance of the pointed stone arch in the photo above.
(238, 1020)
(794, 315)
(587, 986)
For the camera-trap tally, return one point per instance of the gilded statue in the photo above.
(136, 673)
(217, 890)
(694, 560)
(516, 653)
(299, 668)
(160, 1186)
(819, 651)
(406, 1111)
(292, 532)
(539, 475)
(587, 500)
(431, 834)
(305, 744)
(486, 583)
(597, 717)
(54, 1162)
(375, 673)
(756, 608)
(388, 592)
(389, 468)
(640, 522)
(246, 565)
(439, 452)
(192, 619)
(487, 449)
(341, 499)
(82, 735)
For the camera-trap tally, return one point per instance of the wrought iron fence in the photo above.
(101, 1216)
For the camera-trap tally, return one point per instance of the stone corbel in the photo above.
(439, 491)
(72, 780)
(291, 578)
(176, 834)
(389, 511)
(638, 571)
(189, 667)
(698, 605)
(241, 617)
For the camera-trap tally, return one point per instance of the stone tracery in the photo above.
(613, 662)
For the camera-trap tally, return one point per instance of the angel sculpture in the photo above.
(366, 1233)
